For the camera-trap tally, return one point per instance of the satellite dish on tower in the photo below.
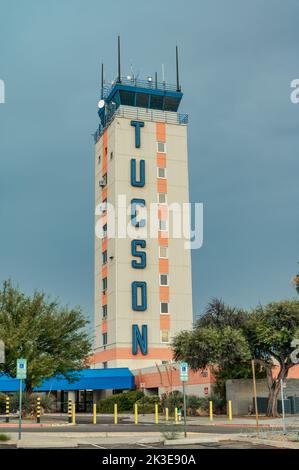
(101, 104)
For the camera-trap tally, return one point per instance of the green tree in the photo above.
(226, 339)
(51, 337)
(270, 332)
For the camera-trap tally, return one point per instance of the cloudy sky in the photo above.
(238, 58)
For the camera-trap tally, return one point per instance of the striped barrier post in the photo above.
(7, 403)
(176, 415)
(73, 413)
(115, 413)
(69, 410)
(230, 412)
(94, 414)
(38, 410)
(211, 410)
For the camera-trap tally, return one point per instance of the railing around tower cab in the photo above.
(149, 84)
(144, 114)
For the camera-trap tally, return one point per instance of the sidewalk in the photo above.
(238, 421)
(58, 420)
(47, 420)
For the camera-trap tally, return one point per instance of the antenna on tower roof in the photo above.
(178, 86)
(118, 60)
(102, 81)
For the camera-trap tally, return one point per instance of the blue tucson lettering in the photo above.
(139, 339)
(138, 254)
(137, 125)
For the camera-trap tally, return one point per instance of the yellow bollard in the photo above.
(69, 410)
(166, 414)
(73, 413)
(176, 415)
(156, 413)
(38, 410)
(115, 413)
(94, 414)
(230, 413)
(211, 410)
(136, 413)
(7, 410)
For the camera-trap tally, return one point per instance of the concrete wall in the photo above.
(240, 392)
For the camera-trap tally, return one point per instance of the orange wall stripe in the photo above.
(164, 322)
(104, 326)
(104, 271)
(104, 244)
(163, 266)
(126, 353)
(162, 212)
(164, 294)
(163, 238)
(161, 131)
(104, 193)
(161, 160)
(161, 185)
(104, 218)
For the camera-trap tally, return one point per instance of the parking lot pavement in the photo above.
(206, 445)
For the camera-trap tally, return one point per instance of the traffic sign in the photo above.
(21, 368)
(183, 371)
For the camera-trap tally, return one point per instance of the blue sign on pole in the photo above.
(21, 369)
(183, 371)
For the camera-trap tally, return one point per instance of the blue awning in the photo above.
(88, 379)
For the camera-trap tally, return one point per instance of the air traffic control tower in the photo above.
(143, 292)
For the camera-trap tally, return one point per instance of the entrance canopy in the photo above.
(87, 379)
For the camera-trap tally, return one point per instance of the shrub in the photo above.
(28, 403)
(193, 403)
(172, 400)
(4, 437)
(125, 402)
(171, 432)
(219, 403)
(147, 403)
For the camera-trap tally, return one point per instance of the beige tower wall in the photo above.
(119, 139)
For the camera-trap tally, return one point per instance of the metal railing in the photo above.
(144, 114)
(150, 84)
